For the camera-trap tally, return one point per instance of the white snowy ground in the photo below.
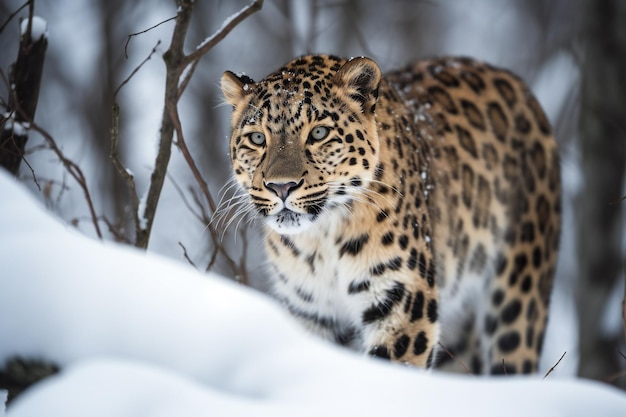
(139, 335)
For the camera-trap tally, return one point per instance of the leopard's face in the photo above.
(304, 140)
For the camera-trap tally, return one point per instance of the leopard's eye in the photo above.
(257, 138)
(319, 133)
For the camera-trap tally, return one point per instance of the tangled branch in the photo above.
(74, 170)
(180, 67)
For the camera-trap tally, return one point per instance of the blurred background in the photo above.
(571, 52)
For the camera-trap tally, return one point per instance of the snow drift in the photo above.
(137, 334)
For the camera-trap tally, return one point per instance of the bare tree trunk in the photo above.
(603, 149)
(25, 82)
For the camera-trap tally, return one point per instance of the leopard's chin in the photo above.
(288, 222)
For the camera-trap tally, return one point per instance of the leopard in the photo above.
(412, 216)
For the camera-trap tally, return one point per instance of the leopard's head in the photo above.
(304, 140)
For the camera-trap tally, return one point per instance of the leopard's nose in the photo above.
(283, 189)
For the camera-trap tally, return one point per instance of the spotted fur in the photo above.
(405, 212)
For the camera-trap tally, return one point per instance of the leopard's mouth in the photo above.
(289, 222)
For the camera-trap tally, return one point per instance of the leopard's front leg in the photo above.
(400, 319)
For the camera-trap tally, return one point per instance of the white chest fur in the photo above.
(319, 285)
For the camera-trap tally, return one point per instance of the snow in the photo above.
(3, 400)
(18, 128)
(137, 334)
(39, 28)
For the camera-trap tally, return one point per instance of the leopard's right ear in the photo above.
(360, 78)
(235, 87)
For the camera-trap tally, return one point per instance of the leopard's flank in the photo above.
(405, 212)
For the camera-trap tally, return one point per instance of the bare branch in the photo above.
(172, 57)
(186, 255)
(451, 355)
(29, 26)
(182, 145)
(114, 155)
(32, 172)
(12, 15)
(74, 170)
(126, 174)
(180, 65)
(141, 32)
(554, 367)
(137, 68)
(204, 187)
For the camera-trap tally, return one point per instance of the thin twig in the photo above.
(182, 145)
(504, 367)
(172, 58)
(11, 139)
(186, 255)
(555, 365)
(137, 68)
(204, 187)
(12, 15)
(141, 32)
(32, 172)
(74, 170)
(465, 368)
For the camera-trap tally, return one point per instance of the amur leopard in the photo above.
(413, 216)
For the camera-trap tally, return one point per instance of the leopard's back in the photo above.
(498, 208)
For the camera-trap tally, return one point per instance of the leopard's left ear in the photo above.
(235, 87)
(361, 76)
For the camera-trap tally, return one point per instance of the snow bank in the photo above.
(140, 335)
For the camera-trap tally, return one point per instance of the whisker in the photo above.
(222, 213)
(241, 218)
(225, 190)
(239, 213)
